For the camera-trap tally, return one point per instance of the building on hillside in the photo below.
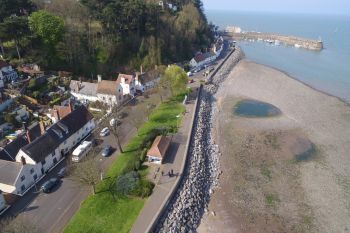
(58, 112)
(202, 59)
(33, 160)
(7, 73)
(30, 69)
(130, 84)
(159, 148)
(84, 90)
(2, 202)
(110, 92)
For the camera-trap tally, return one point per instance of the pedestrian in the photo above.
(169, 174)
(162, 173)
(172, 172)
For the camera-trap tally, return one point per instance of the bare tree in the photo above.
(18, 224)
(86, 172)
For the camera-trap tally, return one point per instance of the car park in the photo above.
(104, 132)
(49, 185)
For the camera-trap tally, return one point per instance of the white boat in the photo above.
(297, 45)
(277, 42)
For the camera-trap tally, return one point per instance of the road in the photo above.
(51, 212)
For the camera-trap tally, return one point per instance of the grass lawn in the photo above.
(100, 213)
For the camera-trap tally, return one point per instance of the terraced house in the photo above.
(30, 158)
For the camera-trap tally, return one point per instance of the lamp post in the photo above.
(177, 121)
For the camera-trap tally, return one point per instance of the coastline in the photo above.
(327, 127)
(300, 81)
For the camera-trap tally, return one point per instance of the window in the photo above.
(43, 162)
(23, 187)
(65, 142)
(32, 171)
(35, 176)
(23, 178)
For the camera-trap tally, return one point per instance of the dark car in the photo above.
(49, 185)
(61, 173)
(106, 151)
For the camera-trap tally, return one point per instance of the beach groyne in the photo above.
(201, 173)
(295, 41)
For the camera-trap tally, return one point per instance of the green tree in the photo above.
(48, 27)
(15, 28)
(175, 79)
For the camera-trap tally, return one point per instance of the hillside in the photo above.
(100, 36)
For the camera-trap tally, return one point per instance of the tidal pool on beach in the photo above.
(254, 108)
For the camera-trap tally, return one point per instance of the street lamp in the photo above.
(177, 121)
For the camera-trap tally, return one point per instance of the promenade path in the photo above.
(164, 184)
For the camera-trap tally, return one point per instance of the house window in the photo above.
(23, 178)
(23, 187)
(43, 162)
(32, 171)
(35, 176)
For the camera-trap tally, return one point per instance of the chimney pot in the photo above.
(23, 160)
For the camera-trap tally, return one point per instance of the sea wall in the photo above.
(201, 173)
(287, 40)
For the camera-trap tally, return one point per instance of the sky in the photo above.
(297, 6)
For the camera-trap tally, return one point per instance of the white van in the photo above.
(80, 152)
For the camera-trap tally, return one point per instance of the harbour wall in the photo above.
(283, 39)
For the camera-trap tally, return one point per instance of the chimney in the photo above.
(99, 78)
(55, 114)
(42, 127)
(70, 106)
(141, 69)
(28, 136)
(23, 160)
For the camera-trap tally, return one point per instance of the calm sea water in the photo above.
(327, 70)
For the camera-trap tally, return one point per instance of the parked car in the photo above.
(106, 151)
(61, 173)
(104, 132)
(189, 74)
(49, 185)
(190, 81)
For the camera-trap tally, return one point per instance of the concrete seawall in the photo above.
(284, 39)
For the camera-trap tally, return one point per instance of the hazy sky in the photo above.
(300, 6)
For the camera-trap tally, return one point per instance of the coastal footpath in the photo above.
(298, 42)
(202, 170)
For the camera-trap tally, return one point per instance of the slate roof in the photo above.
(10, 151)
(107, 87)
(9, 171)
(159, 147)
(56, 134)
(86, 88)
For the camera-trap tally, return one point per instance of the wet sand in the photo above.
(263, 187)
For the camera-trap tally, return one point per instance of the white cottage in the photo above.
(36, 158)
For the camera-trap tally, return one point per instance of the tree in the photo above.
(48, 27)
(18, 224)
(86, 172)
(15, 28)
(175, 79)
(126, 183)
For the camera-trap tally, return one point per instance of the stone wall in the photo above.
(201, 174)
(288, 40)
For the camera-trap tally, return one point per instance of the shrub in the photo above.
(143, 155)
(143, 189)
(126, 183)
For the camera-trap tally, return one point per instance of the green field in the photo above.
(101, 213)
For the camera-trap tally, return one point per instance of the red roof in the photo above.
(159, 147)
(128, 78)
(199, 57)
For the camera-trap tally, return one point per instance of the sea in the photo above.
(327, 70)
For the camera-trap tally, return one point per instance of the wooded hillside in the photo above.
(100, 36)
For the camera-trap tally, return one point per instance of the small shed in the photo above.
(158, 150)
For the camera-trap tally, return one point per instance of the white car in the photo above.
(104, 132)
